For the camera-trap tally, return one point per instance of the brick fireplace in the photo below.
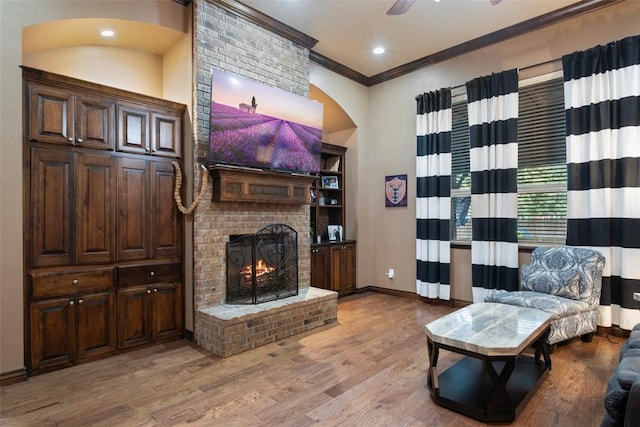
(226, 41)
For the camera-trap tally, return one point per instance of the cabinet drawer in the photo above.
(47, 284)
(146, 274)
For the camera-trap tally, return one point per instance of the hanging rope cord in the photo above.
(176, 190)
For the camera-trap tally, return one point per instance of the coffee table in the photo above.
(496, 378)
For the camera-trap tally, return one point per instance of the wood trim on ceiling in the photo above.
(306, 41)
(524, 27)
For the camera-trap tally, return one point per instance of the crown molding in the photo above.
(290, 33)
(516, 30)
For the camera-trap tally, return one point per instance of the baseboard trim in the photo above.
(188, 335)
(12, 377)
(405, 294)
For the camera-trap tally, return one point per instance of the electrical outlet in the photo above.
(391, 273)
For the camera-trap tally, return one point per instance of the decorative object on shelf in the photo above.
(335, 233)
(333, 163)
(321, 199)
(395, 191)
(333, 201)
(330, 181)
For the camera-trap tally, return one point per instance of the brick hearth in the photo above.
(226, 330)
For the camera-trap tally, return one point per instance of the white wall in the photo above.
(390, 237)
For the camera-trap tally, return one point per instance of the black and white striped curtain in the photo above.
(602, 102)
(493, 139)
(433, 194)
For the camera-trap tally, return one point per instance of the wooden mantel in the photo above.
(231, 184)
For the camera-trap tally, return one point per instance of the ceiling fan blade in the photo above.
(400, 7)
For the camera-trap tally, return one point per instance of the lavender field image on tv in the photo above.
(258, 126)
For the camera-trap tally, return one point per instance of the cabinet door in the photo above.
(95, 122)
(133, 209)
(52, 219)
(167, 310)
(52, 332)
(166, 134)
(343, 269)
(348, 268)
(163, 218)
(96, 181)
(134, 321)
(50, 115)
(133, 130)
(96, 324)
(321, 268)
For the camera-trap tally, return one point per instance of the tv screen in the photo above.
(258, 126)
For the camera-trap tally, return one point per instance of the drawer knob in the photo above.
(155, 290)
(148, 291)
(75, 281)
(71, 302)
(70, 139)
(153, 273)
(80, 140)
(80, 301)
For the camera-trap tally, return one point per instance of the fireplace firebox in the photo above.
(263, 266)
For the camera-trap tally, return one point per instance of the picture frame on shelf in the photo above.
(335, 233)
(330, 181)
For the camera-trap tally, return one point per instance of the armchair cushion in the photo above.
(562, 283)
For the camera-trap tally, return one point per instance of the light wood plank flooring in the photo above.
(368, 369)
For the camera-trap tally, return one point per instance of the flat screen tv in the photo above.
(258, 126)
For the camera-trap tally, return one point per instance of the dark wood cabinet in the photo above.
(52, 333)
(52, 184)
(59, 116)
(148, 313)
(321, 267)
(73, 208)
(147, 186)
(333, 259)
(67, 330)
(103, 258)
(96, 210)
(144, 131)
(343, 268)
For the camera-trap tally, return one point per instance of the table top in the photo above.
(490, 329)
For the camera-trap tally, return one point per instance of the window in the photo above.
(460, 173)
(542, 165)
(542, 169)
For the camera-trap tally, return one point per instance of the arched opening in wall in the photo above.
(335, 118)
(133, 58)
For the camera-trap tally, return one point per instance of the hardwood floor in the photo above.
(368, 369)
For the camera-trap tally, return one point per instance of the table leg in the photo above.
(499, 385)
(542, 347)
(432, 376)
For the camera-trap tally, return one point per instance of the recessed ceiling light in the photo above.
(107, 33)
(378, 50)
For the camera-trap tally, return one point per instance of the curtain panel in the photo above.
(493, 134)
(602, 106)
(433, 194)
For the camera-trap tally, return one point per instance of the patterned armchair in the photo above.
(564, 281)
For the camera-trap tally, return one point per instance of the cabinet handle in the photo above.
(75, 281)
(70, 139)
(80, 140)
(71, 303)
(80, 301)
(148, 291)
(155, 290)
(153, 273)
